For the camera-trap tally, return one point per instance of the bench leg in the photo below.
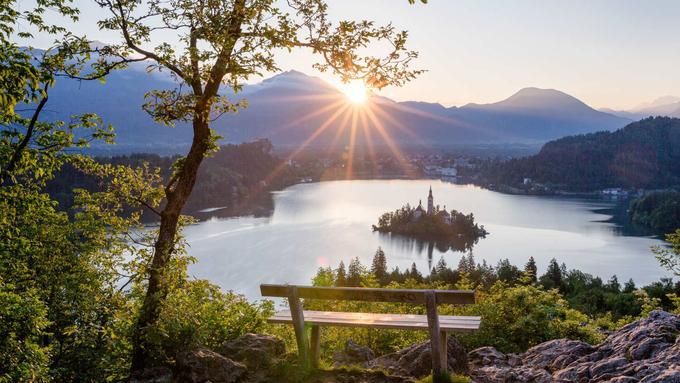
(299, 325)
(435, 335)
(316, 345)
(443, 350)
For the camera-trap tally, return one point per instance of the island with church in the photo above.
(445, 228)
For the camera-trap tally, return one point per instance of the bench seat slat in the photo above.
(393, 321)
(415, 296)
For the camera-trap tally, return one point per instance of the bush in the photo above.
(200, 314)
(23, 319)
(517, 318)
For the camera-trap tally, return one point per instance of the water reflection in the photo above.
(414, 245)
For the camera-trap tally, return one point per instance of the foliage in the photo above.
(247, 171)
(518, 311)
(516, 318)
(23, 321)
(641, 155)
(669, 257)
(198, 313)
(657, 210)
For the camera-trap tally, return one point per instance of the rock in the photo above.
(647, 350)
(355, 376)
(416, 361)
(556, 354)
(487, 356)
(153, 375)
(203, 366)
(254, 350)
(353, 355)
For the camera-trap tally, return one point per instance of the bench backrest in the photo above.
(457, 297)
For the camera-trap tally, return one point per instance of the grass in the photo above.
(446, 378)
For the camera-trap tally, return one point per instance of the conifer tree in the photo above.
(553, 278)
(379, 267)
(530, 271)
(354, 272)
(341, 275)
(415, 274)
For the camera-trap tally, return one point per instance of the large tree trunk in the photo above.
(178, 191)
(177, 197)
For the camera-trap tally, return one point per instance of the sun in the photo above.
(355, 91)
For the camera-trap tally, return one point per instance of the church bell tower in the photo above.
(430, 202)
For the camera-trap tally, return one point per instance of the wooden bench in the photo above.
(437, 325)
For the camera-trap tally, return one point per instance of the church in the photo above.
(420, 211)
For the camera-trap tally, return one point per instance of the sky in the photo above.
(608, 53)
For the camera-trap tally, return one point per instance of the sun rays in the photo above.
(352, 122)
(355, 91)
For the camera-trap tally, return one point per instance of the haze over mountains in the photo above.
(663, 106)
(291, 107)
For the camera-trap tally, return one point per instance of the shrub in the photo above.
(200, 314)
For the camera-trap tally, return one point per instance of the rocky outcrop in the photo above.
(203, 366)
(644, 351)
(416, 360)
(254, 350)
(353, 355)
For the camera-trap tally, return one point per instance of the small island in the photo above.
(449, 229)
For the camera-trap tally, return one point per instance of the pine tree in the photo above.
(530, 271)
(613, 284)
(341, 275)
(629, 287)
(379, 267)
(553, 277)
(354, 272)
(415, 274)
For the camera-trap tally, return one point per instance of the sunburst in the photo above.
(355, 111)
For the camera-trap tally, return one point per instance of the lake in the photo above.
(319, 224)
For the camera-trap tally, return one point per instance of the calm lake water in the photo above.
(320, 224)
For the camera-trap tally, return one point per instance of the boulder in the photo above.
(647, 350)
(203, 366)
(416, 360)
(353, 355)
(556, 354)
(254, 350)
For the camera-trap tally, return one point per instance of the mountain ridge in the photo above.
(290, 107)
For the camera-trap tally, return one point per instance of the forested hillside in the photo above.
(657, 210)
(644, 154)
(238, 177)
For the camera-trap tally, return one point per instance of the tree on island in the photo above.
(447, 229)
(224, 43)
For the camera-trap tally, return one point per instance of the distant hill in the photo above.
(291, 107)
(539, 114)
(667, 106)
(644, 154)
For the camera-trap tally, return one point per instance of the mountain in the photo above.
(644, 154)
(293, 108)
(668, 106)
(539, 115)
